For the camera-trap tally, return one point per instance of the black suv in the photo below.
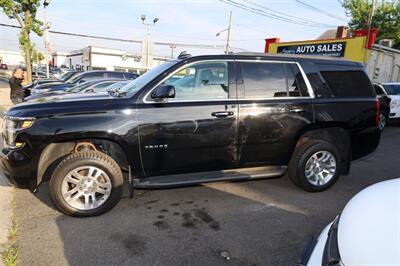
(195, 120)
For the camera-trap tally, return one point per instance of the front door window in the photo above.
(201, 81)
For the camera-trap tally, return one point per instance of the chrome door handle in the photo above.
(222, 114)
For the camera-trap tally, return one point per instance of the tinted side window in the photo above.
(130, 75)
(115, 75)
(297, 85)
(264, 80)
(268, 80)
(91, 76)
(350, 83)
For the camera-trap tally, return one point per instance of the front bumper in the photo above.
(394, 112)
(18, 167)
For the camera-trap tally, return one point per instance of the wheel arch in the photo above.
(336, 133)
(53, 154)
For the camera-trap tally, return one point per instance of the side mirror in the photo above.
(163, 91)
(89, 90)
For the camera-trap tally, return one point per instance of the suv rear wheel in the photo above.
(315, 165)
(86, 183)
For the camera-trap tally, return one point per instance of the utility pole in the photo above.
(369, 24)
(147, 41)
(46, 37)
(228, 36)
(172, 46)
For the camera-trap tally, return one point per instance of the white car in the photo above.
(393, 91)
(366, 233)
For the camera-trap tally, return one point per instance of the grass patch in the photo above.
(10, 253)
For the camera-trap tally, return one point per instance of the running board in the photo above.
(177, 180)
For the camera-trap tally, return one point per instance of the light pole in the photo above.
(46, 37)
(228, 36)
(148, 25)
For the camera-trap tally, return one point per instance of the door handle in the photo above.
(222, 114)
(296, 110)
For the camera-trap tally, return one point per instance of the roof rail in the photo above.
(184, 55)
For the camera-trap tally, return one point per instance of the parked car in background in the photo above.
(88, 86)
(365, 233)
(81, 78)
(63, 78)
(393, 90)
(384, 101)
(310, 116)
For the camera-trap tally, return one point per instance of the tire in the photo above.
(302, 155)
(92, 180)
(382, 121)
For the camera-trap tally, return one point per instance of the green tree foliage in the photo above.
(24, 11)
(386, 17)
(36, 56)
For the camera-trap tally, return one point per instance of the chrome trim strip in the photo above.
(308, 84)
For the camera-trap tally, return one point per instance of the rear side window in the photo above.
(115, 75)
(350, 83)
(91, 76)
(130, 75)
(270, 80)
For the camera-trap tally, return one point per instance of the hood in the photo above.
(62, 103)
(66, 97)
(369, 226)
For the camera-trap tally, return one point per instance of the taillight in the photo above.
(378, 112)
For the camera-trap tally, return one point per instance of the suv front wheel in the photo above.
(315, 165)
(86, 183)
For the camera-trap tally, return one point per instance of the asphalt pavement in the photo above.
(264, 222)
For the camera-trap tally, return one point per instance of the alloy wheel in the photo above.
(320, 168)
(86, 188)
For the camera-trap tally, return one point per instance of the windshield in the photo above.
(142, 80)
(67, 75)
(392, 89)
(75, 78)
(80, 87)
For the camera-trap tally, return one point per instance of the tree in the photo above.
(24, 11)
(386, 17)
(36, 56)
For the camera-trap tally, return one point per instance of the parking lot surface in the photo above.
(264, 222)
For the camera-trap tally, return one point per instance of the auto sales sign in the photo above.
(335, 49)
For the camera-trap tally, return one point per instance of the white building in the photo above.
(96, 58)
(384, 64)
(13, 58)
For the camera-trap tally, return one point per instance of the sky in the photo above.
(193, 21)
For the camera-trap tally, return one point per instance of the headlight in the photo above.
(12, 126)
(395, 104)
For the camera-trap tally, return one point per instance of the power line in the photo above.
(202, 46)
(321, 11)
(281, 13)
(274, 16)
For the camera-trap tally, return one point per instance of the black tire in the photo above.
(383, 119)
(300, 157)
(86, 158)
